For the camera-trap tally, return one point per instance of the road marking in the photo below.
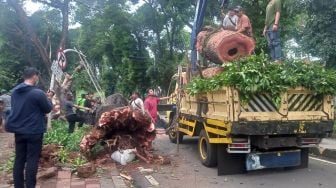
(321, 160)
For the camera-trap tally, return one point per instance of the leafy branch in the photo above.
(255, 74)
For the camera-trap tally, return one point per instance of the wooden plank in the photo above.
(152, 180)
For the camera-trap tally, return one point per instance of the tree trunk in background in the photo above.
(33, 37)
(65, 23)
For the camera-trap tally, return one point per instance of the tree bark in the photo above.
(65, 23)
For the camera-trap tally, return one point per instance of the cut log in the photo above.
(211, 72)
(223, 45)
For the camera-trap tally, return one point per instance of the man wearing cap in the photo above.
(244, 25)
(271, 29)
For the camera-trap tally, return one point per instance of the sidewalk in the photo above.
(106, 177)
(327, 148)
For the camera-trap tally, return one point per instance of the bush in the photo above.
(59, 135)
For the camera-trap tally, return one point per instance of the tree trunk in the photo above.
(65, 23)
(33, 37)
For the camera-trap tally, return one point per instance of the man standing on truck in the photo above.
(271, 29)
(230, 20)
(244, 25)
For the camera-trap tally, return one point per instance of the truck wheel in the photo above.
(207, 151)
(173, 136)
(172, 133)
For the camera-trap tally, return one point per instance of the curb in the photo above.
(323, 152)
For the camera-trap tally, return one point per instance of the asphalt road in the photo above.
(186, 171)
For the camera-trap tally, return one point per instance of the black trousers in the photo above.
(72, 119)
(27, 154)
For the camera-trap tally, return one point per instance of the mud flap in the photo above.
(230, 163)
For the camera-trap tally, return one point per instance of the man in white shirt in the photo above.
(230, 21)
(136, 102)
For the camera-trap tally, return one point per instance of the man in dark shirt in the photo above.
(70, 114)
(27, 121)
(89, 102)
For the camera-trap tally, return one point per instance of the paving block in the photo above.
(114, 170)
(64, 174)
(92, 181)
(63, 183)
(78, 184)
(93, 185)
(49, 183)
(106, 182)
(118, 182)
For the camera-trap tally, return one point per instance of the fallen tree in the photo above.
(120, 129)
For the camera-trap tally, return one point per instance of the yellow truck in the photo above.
(258, 134)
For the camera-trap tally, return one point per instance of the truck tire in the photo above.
(172, 131)
(207, 152)
(173, 136)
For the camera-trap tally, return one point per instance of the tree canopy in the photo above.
(134, 45)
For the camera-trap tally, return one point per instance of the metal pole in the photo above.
(51, 87)
(178, 105)
(88, 69)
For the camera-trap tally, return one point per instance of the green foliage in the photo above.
(255, 74)
(97, 149)
(59, 135)
(63, 155)
(78, 161)
(136, 49)
(8, 166)
(317, 34)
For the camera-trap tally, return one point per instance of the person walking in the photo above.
(29, 106)
(272, 30)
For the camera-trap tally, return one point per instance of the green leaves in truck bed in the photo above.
(255, 74)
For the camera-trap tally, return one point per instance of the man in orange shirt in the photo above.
(244, 25)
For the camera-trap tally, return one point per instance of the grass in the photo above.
(59, 135)
(8, 166)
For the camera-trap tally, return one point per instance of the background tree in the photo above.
(317, 34)
(135, 47)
